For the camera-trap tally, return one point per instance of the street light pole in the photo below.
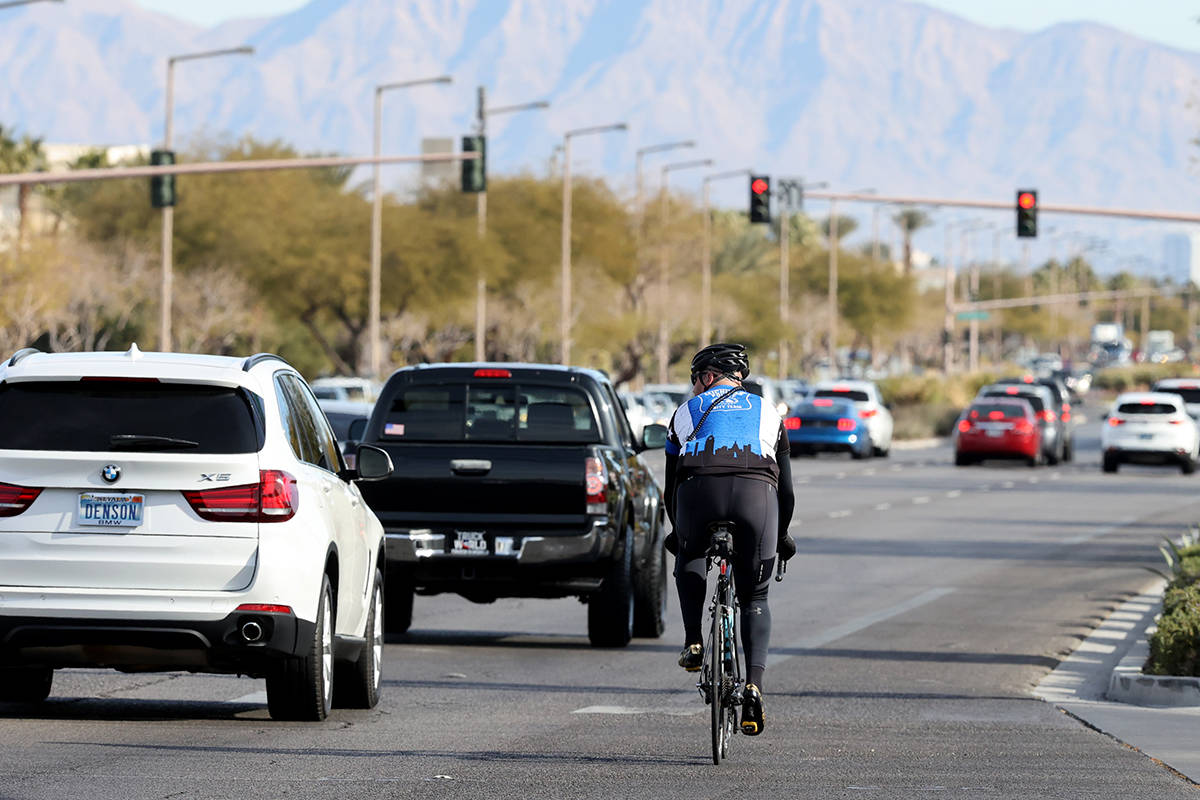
(706, 274)
(375, 302)
(168, 212)
(482, 113)
(565, 322)
(662, 350)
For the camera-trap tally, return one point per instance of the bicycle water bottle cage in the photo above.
(721, 539)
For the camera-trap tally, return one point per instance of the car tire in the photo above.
(610, 608)
(357, 684)
(963, 460)
(881, 453)
(1109, 464)
(25, 685)
(1054, 457)
(859, 455)
(301, 687)
(398, 600)
(650, 593)
(1187, 466)
(1069, 452)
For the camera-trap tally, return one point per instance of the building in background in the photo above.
(1181, 257)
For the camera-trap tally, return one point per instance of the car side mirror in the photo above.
(373, 463)
(654, 437)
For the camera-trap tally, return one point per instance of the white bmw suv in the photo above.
(161, 511)
(1150, 428)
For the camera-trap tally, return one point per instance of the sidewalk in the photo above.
(1083, 683)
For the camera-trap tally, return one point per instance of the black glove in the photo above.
(787, 547)
(672, 543)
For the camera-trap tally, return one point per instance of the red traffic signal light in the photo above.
(1027, 208)
(758, 186)
(1027, 200)
(760, 198)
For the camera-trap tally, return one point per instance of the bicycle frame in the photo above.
(721, 682)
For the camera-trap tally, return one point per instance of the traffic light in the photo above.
(760, 198)
(1027, 213)
(162, 187)
(474, 171)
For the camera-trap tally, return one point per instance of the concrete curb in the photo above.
(919, 444)
(1128, 684)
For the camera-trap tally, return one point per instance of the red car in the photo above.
(998, 427)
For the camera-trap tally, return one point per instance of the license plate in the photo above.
(111, 510)
(995, 434)
(1145, 435)
(470, 543)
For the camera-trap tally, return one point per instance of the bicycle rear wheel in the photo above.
(716, 678)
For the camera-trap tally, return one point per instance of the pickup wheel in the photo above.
(650, 593)
(27, 685)
(398, 601)
(610, 609)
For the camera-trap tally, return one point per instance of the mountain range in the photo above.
(886, 94)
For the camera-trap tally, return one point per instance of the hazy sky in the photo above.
(1170, 21)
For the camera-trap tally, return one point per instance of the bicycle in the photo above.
(721, 683)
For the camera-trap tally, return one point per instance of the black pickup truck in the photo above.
(519, 480)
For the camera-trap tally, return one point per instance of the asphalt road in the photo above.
(924, 605)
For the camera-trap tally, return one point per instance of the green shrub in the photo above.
(1140, 376)
(924, 421)
(1175, 646)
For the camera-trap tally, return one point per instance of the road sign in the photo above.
(969, 315)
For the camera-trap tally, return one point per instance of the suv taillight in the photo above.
(596, 481)
(16, 499)
(845, 424)
(1047, 415)
(275, 498)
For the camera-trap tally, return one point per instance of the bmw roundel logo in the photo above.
(111, 473)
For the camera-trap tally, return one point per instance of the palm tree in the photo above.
(845, 226)
(20, 155)
(910, 220)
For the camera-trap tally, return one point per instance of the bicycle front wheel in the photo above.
(717, 680)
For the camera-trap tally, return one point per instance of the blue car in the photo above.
(827, 424)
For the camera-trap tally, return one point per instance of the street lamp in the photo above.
(481, 218)
(565, 324)
(706, 275)
(663, 351)
(168, 217)
(642, 152)
(15, 3)
(375, 302)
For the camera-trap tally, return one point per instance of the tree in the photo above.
(910, 220)
(20, 155)
(845, 226)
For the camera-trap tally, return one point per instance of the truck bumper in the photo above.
(426, 545)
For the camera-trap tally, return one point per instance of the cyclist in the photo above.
(728, 459)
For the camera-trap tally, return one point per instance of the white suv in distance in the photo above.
(869, 403)
(161, 511)
(1149, 428)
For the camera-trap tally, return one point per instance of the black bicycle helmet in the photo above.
(726, 358)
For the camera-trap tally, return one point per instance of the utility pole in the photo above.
(785, 268)
(663, 347)
(706, 255)
(948, 322)
(481, 232)
(833, 287)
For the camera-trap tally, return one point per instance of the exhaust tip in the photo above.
(252, 631)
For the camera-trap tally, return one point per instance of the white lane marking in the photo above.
(629, 710)
(954, 493)
(254, 698)
(840, 475)
(1055, 476)
(839, 514)
(855, 625)
(883, 506)
(895, 468)
(1087, 537)
(868, 472)
(803, 480)
(920, 501)
(1007, 485)
(985, 488)
(1035, 480)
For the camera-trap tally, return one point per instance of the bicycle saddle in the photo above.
(721, 538)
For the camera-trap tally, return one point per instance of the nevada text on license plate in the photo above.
(111, 510)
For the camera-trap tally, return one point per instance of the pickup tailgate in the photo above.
(507, 485)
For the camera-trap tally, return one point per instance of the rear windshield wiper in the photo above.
(140, 441)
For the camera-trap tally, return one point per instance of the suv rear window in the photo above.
(1035, 400)
(852, 394)
(89, 416)
(492, 412)
(1146, 408)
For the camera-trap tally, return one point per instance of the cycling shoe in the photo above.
(753, 720)
(692, 657)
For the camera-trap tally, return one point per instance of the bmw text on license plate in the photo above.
(470, 543)
(111, 510)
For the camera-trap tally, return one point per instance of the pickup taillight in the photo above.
(275, 498)
(16, 499)
(596, 483)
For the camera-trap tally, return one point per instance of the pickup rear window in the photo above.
(1188, 393)
(492, 412)
(108, 415)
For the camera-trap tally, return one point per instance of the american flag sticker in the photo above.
(393, 429)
